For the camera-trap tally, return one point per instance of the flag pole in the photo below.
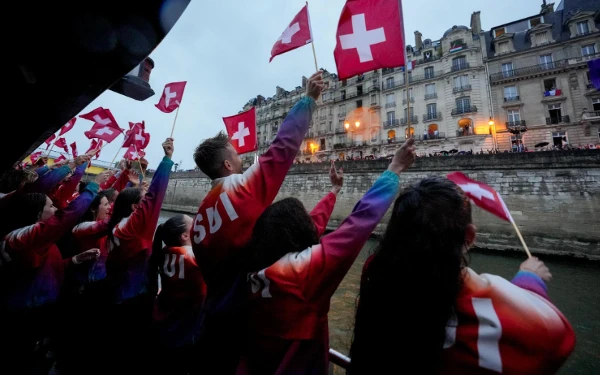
(521, 238)
(312, 39)
(175, 120)
(51, 147)
(405, 70)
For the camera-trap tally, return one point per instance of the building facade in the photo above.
(539, 79)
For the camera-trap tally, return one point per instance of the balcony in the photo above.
(461, 89)
(463, 110)
(516, 98)
(391, 124)
(429, 136)
(516, 127)
(465, 132)
(390, 105)
(413, 120)
(341, 115)
(591, 115)
(558, 120)
(391, 85)
(374, 87)
(340, 131)
(374, 104)
(461, 66)
(412, 100)
(435, 116)
(323, 117)
(274, 128)
(322, 132)
(529, 70)
(345, 97)
(431, 96)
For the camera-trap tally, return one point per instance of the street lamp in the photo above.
(357, 124)
(347, 125)
(493, 125)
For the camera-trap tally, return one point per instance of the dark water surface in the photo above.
(575, 290)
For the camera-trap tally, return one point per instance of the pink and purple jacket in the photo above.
(226, 217)
(127, 264)
(289, 300)
(64, 192)
(33, 268)
(92, 235)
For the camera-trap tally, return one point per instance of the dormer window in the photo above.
(499, 31)
(583, 28)
(541, 38)
(582, 23)
(503, 47)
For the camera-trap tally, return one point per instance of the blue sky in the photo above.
(222, 48)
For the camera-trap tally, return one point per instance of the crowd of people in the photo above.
(91, 284)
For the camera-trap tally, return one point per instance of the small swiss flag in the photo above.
(68, 126)
(241, 129)
(35, 157)
(62, 143)
(136, 136)
(171, 97)
(297, 34)
(74, 149)
(482, 195)
(49, 140)
(369, 36)
(105, 126)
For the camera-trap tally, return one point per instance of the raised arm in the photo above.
(533, 275)
(143, 220)
(261, 182)
(323, 210)
(66, 190)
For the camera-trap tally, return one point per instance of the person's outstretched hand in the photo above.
(315, 85)
(168, 147)
(91, 254)
(404, 157)
(336, 178)
(538, 267)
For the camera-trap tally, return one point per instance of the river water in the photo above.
(574, 289)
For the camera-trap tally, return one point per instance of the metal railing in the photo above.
(429, 136)
(512, 98)
(432, 116)
(461, 88)
(557, 120)
(391, 124)
(460, 66)
(431, 96)
(516, 126)
(528, 70)
(412, 100)
(465, 109)
(413, 120)
(390, 105)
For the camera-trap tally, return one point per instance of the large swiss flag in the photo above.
(241, 129)
(297, 34)
(171, 97)
(369, 36)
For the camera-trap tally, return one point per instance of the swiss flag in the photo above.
(74, 149)
(136, 136)
(171, 97)
(241, 129)
(60, 158)
(68, 126)
(35, 156)
(369, 36)
(297, 34)
(62, 143)
(482, 195)
(95, 146)
(49, 140)
(133, 154)
(105, 126)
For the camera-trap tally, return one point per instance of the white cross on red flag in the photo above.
(136, 136)
(482, 195)
(49, 140)
(369, 36)
(133, 154)
(297, 34)
(241, 129)
(68, 126)
(105, 126)
(171, 97)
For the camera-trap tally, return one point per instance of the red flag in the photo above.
(93, 146)
(171, 96)
(297, 34)
(105, 126)
(60, 158)
(136, 136)
(62, 143)
(68, 126)
(49, 140)
(99, 148)
(241, 129)
(132, 153)
(369, 36)
(74, 149)
(482, 195)
(35, 156)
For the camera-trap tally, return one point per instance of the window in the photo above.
(555, 113)
(343, 94)
(430, 89)
(389, 99)
(461, 81)
(550, 84)
(535, 21)
(507, 69)
(359, 90)
(391, 116)
(330, 125)
(499, 32)
(517, 142)
(459, 63)
(559, 139)
(325, 96)
(429, 72)
(541, 38)
(510, 93)
(502, 47)
(410, 92)
(342, 109)
(546, 61)
(513, 115)
(463, 105)
(411, 112)
(431, 111)
(590, 49)
(582, 28)
(359, 104)
(373, 99)
(389, 83)
(596, 104)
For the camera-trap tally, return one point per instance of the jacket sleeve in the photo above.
(143, 220)
(42, 170)
(261, 182)
(90, 228)
(121, 182)
(66, 190)
(43, 234)
(532, 282)
(322, 212)
(45, 183)
(329, 261)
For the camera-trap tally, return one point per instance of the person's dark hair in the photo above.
(90, 214)
(109, 193)
(284, 227)
(82, 185)
(122, 207)
(24, 210)
(410, 287)
(13, 179)
(169, 232)
(211, 153)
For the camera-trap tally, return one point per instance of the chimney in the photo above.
(418, 41)
(547, 8)
(476, 22)
(279, 91)
(304, 80)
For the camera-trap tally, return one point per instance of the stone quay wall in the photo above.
(554, 197)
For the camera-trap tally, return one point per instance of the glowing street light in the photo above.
(347, 125)
(357, 124)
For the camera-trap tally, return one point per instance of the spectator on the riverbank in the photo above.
(449, 319)
(228, 213)
(292, 276)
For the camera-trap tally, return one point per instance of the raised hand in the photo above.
(404, 157)
(134, 177)
(103, 177)
(315, 85)
(91, 254)
(538, 267)
(168, 147)
(81, 159)
(336, 178)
